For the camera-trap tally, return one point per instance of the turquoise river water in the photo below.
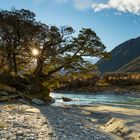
(126, 101)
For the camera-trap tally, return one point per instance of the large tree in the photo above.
(54, 48)
(20, 33)
(17, 31)
(61, 50)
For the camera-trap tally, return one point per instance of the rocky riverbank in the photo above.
(24, 119)
(20, 121)
(123, 122)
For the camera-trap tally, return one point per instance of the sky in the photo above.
(114, 21)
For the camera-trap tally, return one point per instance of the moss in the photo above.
(2, 86)
(3, 125)
(31, 87)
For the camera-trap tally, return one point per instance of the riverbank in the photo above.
(30, 122)
(122, 122)
(27, 122)
(117, 90)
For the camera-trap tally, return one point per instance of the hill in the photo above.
(132, 66)
(121, 55)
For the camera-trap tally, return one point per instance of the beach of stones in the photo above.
(20, 121)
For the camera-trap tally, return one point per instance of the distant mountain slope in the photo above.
(121, 55)
(132, 66)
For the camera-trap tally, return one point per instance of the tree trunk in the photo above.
(14, 63)
(9, 62)
(39, 67)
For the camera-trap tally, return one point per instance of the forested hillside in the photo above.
(121, 55)
(132, 66)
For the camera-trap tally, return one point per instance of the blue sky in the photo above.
(114, 21)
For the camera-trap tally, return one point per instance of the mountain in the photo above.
(132, 66)
(121, 55)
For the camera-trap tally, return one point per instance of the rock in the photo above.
(133, 136)
(34, 110)
(51, 133)
(52, 101)
(13, 96)
(113, 124)
(20, 133)
(61, 130)
(4, 139)
(78, 124)
(23, 101)
(3, 125)
(48, 100)
(65, 99)
(4, 98)
(8, 89)
(38, 101)
(3, 93)
(45, 123)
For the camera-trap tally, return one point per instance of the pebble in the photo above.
(28, 122)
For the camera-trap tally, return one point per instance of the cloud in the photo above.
(131, 6)
(126, 6)
(82, 4)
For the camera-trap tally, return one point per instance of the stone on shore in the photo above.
(38, 101)
(26, 122)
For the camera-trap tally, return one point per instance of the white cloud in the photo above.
(83, 4)
(131, 6)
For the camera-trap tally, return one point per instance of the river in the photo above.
(125, 101)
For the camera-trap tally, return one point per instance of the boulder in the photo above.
(38, 101)
(65, 99)
(3, 93)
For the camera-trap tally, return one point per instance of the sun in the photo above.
(35, 52)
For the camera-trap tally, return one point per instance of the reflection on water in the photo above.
(90, 99)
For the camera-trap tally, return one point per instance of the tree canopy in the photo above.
(56, 47)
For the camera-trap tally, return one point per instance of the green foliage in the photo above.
(20, 32)
(122, 79)
(58, 50)
(17, 30)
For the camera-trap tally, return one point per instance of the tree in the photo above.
(17, 30)
(56, 48)
(20, 32)
(63, 51)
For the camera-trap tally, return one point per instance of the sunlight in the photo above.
(35, 52)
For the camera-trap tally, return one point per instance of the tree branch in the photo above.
(54, 70)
